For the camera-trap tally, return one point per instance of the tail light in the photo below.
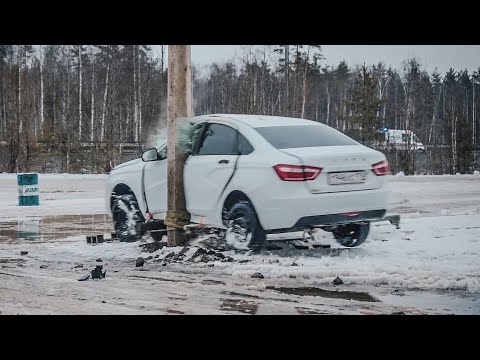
(297, 172)
(381, 168)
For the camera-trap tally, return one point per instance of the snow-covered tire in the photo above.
(351, 235)
(244, 231)
(125, 217)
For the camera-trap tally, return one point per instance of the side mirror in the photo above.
(150, 155)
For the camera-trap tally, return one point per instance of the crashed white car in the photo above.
(259, 175)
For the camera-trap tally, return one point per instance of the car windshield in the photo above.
(299, 136)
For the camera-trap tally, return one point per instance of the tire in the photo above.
(351, 235)
(244, 231)
(125, 216)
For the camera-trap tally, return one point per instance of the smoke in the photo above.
(157, 132)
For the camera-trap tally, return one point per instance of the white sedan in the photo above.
(256, 175)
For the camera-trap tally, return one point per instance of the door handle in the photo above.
(224, 161)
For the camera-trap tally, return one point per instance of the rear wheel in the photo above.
(125, 216)
(351, 235)
(244, 231)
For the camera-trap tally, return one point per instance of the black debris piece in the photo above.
(140, 262)
(23, 252)
(294, 264)
(301, 247)
(321, 246)
(337, 281)
(200, 251)
(257, 275)
(43, 266)
(97, 273)
(99, 260)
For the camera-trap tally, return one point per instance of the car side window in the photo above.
(218, 139)
(245, 146)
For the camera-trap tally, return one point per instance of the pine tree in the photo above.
(365, 104)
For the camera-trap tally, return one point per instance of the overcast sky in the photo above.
(443, 57)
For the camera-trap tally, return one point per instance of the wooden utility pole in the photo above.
(179, 107)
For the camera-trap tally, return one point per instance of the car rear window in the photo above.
(299, 136)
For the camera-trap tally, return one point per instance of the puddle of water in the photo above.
(436, 303)
(311, 291)
(55, 227)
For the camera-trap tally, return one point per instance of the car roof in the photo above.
(257, 121)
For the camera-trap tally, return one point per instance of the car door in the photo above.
(155, 180)
(210, 167)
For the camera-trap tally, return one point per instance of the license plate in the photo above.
(350, 177)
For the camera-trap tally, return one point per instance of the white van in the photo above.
(400, 139)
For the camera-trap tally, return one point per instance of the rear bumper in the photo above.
(332, 219)
(299, 208)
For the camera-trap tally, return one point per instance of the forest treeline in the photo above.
(76, 108)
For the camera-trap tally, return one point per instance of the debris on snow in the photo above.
(153, 246)
(97, 273)
(23, 252)
(301, 247)
(337, 281)
(84, 277)
(257, 275)
(140, 261)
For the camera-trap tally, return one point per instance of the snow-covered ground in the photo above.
(430, 265)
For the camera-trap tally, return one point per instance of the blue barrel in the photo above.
(28, 194)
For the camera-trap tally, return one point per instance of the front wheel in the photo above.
(244, 231)
(125, 216)
(351, 235)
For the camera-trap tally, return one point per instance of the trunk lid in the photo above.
(344, 168)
